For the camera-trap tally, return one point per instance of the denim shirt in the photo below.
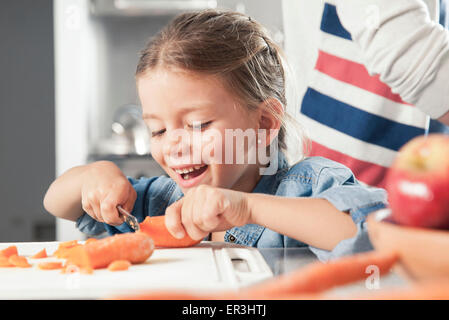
(313, 177)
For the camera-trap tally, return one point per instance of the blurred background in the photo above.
(68, 97)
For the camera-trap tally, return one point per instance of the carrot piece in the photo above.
(63, 247)
(135, 247)
(50, 265)
(41, 254)
(319, 276)
(19, 261)
(119, 265)
(4, 262)
(68, 244)
(10, 251)
(156, 229)
(90, 240)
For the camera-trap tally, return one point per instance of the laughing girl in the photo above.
(212, 89)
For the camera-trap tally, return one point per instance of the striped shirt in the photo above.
(353, 117)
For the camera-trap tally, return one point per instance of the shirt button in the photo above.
(231, 238)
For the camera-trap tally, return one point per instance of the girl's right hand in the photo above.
(105, 187)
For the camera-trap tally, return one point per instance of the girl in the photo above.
(206, 80)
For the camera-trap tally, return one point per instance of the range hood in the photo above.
(148, 7)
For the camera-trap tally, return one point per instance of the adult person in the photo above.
(371, 74)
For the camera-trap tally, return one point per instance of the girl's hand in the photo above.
(104, 187)
(205, 209)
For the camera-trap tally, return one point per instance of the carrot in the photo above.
(50, 265)
(4, 262)
(63, 248)
(135, 247)
(41, 254)
(119, 265)
(319, 276)
(90, 240)
(156, 229)
(19, 261)
(10, 251)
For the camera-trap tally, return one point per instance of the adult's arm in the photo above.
(408, 50)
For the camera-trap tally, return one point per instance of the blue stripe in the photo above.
(330, 23)
(357, 123)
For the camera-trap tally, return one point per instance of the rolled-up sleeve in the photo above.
(399, 42)
(89, 226)
(339, 187)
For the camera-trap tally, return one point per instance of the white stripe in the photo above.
(336, 140)
(367, 101)
(340, 47)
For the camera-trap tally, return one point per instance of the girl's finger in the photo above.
(131, 200)
(109, 211)
(188, 214)
(95, 204)
(120, 194)
(173, 219)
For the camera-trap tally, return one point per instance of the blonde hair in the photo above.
(235, 48)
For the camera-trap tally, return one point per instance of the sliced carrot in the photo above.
(119, 265)
(63, 247)
(51, 265)
(19, 261)
(4, 262)
(9, 251)
(135, 247)
(318, 276)
(156, 229)
(41, 254)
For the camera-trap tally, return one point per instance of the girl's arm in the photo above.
(313, 221)
(205, 209)
(96, 189)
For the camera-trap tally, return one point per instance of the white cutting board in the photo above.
(209, 266)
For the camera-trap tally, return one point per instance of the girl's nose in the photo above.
(178, 148)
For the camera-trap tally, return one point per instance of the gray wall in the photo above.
(27, 148)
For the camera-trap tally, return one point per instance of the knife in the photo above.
(129, 218)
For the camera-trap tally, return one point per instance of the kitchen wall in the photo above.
(27, 148)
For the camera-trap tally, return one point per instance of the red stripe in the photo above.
(367, 172)
(354, 74)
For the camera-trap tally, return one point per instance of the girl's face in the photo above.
(187, 115)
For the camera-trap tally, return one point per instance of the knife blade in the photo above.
(129, 218)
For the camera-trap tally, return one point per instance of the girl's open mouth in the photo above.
(189, 176)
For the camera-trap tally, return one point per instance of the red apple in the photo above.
(418, 183)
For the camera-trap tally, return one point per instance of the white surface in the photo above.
(207, 266)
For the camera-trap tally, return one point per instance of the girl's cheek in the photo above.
(156, 151)
(213, 148)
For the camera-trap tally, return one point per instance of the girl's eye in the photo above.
(155, 134)
(199, 126)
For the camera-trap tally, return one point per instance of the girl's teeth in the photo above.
(186, 177)
(188, 170)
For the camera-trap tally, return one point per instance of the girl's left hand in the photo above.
(205, 209)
